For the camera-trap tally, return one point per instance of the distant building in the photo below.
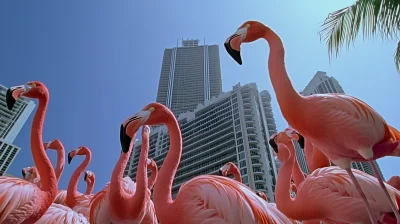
(230, 128)
(322, 83)
(11, 123)
(8, 152)
(190, 75)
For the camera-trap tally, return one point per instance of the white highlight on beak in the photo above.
(148, 161)
(242, 32)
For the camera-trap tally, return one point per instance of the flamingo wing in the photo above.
(83, 205)
(216, 199)
(99, 207)
(61, 197)
(18, 199)
(357, 125)
(331, 188)
(62, 214)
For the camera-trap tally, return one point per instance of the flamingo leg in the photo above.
(358, 187)
(378, 176)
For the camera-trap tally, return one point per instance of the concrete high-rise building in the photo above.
(190, 75)
(230, 128)
(322, 83)
(11, 123)
(8, 152)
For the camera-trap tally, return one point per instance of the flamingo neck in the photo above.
(297, 174)
(60, 162)
(90, 187)
(153, 177)
(162, 191)
(72, 190)
(288, 99)
(42, 162)
(236, 173)
(138, 201)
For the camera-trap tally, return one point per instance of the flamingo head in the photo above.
(89, 176)
(224, 170)
(152, 114)
(247, 32)
(285, 136)
(29, 170)
(262, 195)
(24, 171)
(53, 144)
(32, 89)
(80, 151)
(151, 163)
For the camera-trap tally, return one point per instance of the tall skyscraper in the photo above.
(230, 128)
(11, 123)
(190, 75)
(322, 83)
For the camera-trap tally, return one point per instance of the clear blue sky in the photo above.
(101, 61)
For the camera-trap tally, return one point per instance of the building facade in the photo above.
(190, 75)
(319, 84)
(8, 152)
(230, 128)
(11, 123)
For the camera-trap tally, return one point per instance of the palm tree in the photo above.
(373, 16)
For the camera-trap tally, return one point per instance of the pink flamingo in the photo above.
(203, 199)
(231, 168)
(22, 201)
(75, 200)
(343, 127)
(31, 174)
(62, 214)
(90, 180)
(59, 147)
(152, 166)
(327, 194)
(394, 182)
(123, 201)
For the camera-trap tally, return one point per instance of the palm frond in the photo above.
(389, 17)
(397, 57)
(342, 26)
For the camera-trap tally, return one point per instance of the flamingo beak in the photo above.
(85, 177)
(14, 93)
(220, 172)
(273, 144)
(124, 138)
(232, 44)
(23, 173)
(70, 157)
(301, 141)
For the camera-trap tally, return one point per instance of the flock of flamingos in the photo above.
(330, 127)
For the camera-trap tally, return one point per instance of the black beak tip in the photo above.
(85, 177)
(125, 140)
(23, 174)
(69, 158)
(273, 145)
(233, 53)
(220, 173)
(10, 101)
(301, 141)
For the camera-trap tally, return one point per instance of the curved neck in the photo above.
(72, 190)
(42, 162)
(162, 191)
(90, 186)
(236, 173)
(298, 175)
(60, 162)
(288, 98)
(153, 176)
(118, 196)
(138, 199)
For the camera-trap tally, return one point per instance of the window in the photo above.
(245, 179)
(243, 171)
(242, 163)
(239, 135)
(241, 156)
(240, 148)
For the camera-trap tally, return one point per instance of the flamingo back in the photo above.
(62, 214)
(334, 185)
(61, 197)
(83, 204)
(223, 200)
(18, 199)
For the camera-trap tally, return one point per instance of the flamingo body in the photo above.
(99, 207)
(61, 196)
(215, 199)
(19, 200)
(62, 214)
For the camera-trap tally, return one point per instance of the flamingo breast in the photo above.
(62, 214)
